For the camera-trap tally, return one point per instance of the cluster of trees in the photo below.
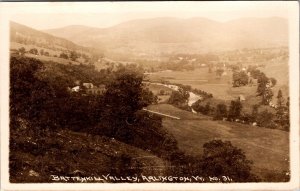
(218, 158)
(220, 112)
(22, 51)
(74, 56)
(45, 53)
(64, 55)
(188, 88)
(204, 94)
(283, 111)
(40, 97)
(179, 98)
(34, 51)
(219, 72)
(265, 118)
(240, 79)
(204, 109)
(265, 84)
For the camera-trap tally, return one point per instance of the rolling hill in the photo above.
(153, 37)
(21, 35)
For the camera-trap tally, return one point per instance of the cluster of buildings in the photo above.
(89, 88)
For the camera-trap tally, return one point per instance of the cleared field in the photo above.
(267, 148)
(199, 75)
(221, 88)
(156, 89)
(15, 45)
(278, 69)
(54, 59)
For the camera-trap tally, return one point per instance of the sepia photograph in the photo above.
(181, 93)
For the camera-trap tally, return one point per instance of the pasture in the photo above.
(221, 88)
(267, 148)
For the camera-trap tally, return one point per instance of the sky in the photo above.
(105, 14)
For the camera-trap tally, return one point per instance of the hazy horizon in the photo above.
(85, 25)
(44, 16)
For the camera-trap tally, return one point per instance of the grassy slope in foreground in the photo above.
(267, 148)
(72, 151)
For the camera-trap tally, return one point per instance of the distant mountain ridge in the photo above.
(25, 35)
(157, 36)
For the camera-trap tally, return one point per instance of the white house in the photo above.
(75, 89)
(242, 97)
(88, 85)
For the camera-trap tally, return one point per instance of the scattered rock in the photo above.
(33, 173)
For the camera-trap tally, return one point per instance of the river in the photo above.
(192, 97)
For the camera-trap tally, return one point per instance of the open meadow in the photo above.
(267, 148)
(221, 88)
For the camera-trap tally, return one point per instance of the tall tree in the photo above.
(42, 52)
(219, 72)
(22, 51)
(73, 55)
(220, 112)
(267, 96)
(264, 88)
(124, 96)
(280, 99)
(235, 110)
(265, 119)
(254, 112)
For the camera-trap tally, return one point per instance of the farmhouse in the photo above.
(75, 89)
(88, 85)
(241, 98)
(96, 90)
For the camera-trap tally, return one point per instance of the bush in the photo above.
(178, 98)
(221, 111)
(63, 55)
(235, 110)
(223, 159)
(34, 51)
(205, 110)
(265, 119)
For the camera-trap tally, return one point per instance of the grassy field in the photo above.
(15, 45)
(53, 59)
(156, 91)
(267, 148)
(222, 89)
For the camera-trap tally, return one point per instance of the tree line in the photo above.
(233, 112)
